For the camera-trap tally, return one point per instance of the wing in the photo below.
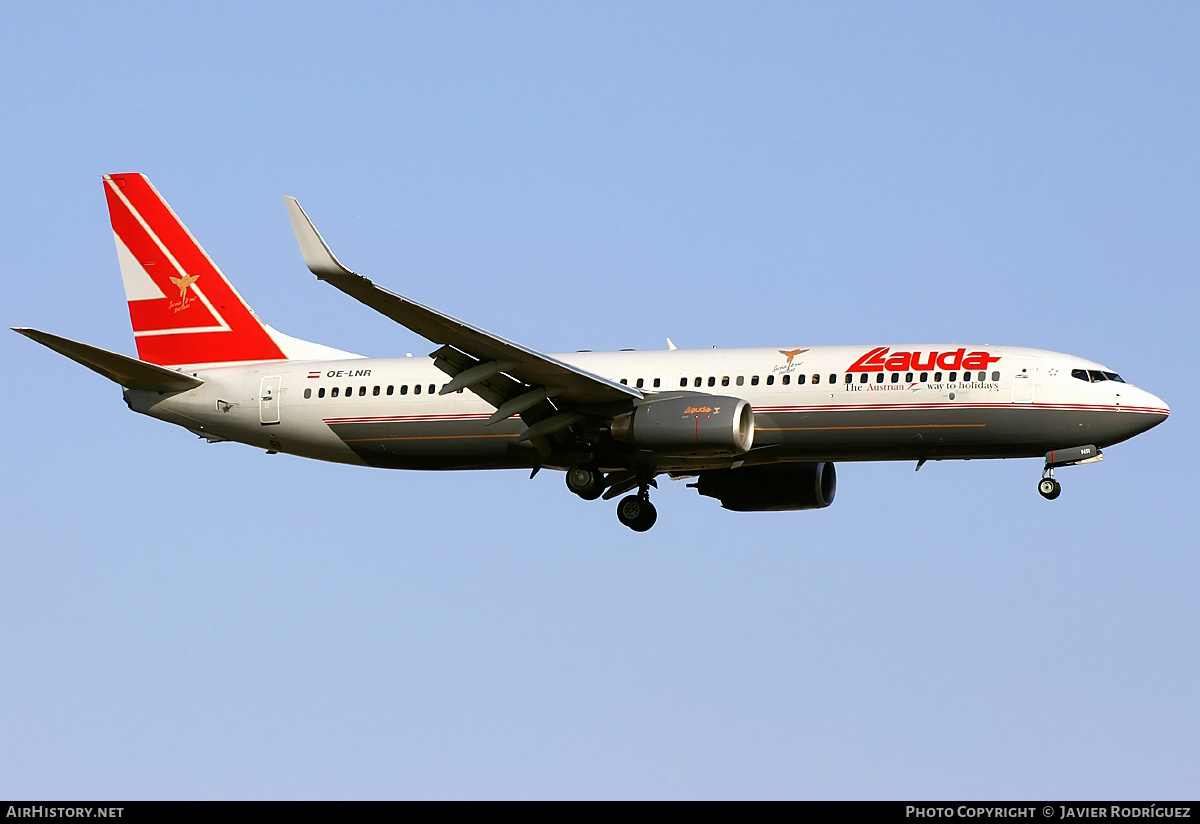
(513, 378)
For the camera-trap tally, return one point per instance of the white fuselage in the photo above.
(900, 402)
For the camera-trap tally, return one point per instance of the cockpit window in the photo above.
(1096, 375)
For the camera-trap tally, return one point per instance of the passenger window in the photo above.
(966, 376)
(908, 377)
(321, 392)
(432, 388)
(404, 389)
(953, 377)
(682, 382)
(787, 379)
(740, 380)
(924, 377)
(937, 377)
(995, 376)
(334, 392)
(698, 381)
(625, 381)
(390, 388)
(864, 377)
(712, 381)
(895, 377)
(816, 379)
(833, 378)
(657, 382)
(879, 378)
(770, 379)
(349, 391)
(307, 394)
(800, 378)
(362, 391)
(375, 391)
(754, 380)
(417, 389)
(640, 383)
(849, 378)
(725, 380)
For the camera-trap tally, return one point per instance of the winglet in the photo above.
(317, 255)
(122, 369)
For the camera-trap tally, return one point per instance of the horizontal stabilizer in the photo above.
(130, 373)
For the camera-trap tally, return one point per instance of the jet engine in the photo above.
(689, 424)
(771, 488)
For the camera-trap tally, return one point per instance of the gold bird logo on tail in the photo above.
(187, 280)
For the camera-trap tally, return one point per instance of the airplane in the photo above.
(758, 429)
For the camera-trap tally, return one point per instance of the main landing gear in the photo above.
(636, 511)
(1048, 487)
(585, 481)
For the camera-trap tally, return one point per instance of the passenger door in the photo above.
(268, 399)
(1024, 381)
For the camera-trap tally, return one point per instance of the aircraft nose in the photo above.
(1160, 405)
(1152, 406)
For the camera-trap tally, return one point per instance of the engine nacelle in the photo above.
(771, 488)
(690, 424)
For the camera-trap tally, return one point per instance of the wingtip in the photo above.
(318, 257)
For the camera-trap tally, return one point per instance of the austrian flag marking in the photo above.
(879, 360)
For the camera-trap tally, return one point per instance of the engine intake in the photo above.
(690, 424)
(772, 488)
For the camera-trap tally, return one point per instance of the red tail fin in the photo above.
(183, 309)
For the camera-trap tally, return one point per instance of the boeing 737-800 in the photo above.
(757, 429)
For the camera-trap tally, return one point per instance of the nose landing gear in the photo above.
(1073, 456)
(1048, 487)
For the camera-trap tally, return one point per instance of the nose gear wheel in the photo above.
(1049, 488)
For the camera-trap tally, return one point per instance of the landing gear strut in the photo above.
(1071, 456)
(585, 481)
(1047, 486)
(636, 511)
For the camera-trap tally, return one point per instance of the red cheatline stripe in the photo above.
(952, 405)
(781, 409)
(406, 418)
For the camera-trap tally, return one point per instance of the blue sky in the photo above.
(182, 620)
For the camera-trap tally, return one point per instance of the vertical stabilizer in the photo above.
(183, 309)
